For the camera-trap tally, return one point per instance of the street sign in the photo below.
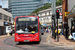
(60, 17)
(60, 14)
(66, 14)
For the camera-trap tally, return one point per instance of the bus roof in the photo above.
(26, 16)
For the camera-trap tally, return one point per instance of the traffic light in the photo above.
(57, 14)
(53, 16)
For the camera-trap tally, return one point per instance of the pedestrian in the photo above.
(70, 36)
(11, 32)
(59, 31)
(67, 31)
(73, 29)
(55, 33)
(47, 30)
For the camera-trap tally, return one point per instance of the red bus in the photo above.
(27, 29)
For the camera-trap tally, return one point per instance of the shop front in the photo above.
(7, 27)
(4, 28)
(71, 22)
(1, 29)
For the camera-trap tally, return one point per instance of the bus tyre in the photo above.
(20, 42)
(38, 42)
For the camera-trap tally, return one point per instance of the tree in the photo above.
(58, 2)
(47, 5)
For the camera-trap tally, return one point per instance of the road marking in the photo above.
(48, 37)
(48, 41)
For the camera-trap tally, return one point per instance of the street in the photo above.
(9, 44)
(26, 19)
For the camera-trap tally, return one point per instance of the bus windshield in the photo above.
(26, 25)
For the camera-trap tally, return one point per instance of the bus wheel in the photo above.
(38, 42)
(20, 42)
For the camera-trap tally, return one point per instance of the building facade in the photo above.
(71, 15)
(5, 20)
(24, 7)
(46, 15)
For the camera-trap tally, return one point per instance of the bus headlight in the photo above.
(35, 36)
(17, 37)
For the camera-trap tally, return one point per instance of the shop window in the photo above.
(9, 19)
(49, 12)
(73, 23)
(0, 16)
(5, 17)
(4, 31)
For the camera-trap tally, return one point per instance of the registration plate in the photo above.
(26, 40)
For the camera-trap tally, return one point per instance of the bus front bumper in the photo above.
(33, 39)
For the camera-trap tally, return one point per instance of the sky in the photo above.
(4, 4)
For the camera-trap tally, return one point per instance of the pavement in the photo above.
(4, 36)
(62, 42)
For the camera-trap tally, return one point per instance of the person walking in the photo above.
(55, 33)
(47, 30)
(67, 32)
(59, 31)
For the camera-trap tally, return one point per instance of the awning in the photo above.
(71, 15)
(49, 24)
